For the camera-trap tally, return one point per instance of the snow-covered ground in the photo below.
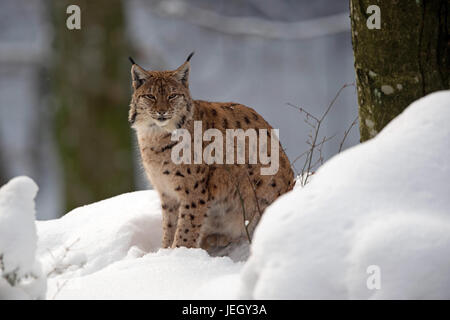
(111, 249)
(374, 223)
(20, 273)
(383, 205)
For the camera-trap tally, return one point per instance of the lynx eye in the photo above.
(172, 96)
(149, 96)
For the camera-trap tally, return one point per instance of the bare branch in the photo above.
(242, 205)
(244, 214)
(309, 165)
(346, 134)
(335, 98)
(59, 287)
(67, 249)
(254, 193)
(308, 114)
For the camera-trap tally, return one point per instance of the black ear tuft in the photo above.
(131, 60)
(190, 56)
(138, 75)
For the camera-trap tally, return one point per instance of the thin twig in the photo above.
(254, 193)
(59, 287)
(308, 114)
(346, 134)
(301, 155)
(66, 251)
(242, 205)
(313, 136)
(320, 159)
(244, 214)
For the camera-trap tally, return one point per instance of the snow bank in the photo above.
(91, 237)
(383, 205)
(167, 274)
(20, 273)
(111, 250)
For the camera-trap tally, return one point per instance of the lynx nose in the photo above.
(162, 116)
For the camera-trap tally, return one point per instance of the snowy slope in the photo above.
(20, 273)
(92, 237)
(110, 250)
(167, 274)
(384, 203)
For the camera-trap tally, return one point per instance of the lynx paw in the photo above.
(215, 241)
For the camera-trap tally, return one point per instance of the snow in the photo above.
(384, 203)
(373, 223)
(166, 274)
(20, 273)
(111, 250)
(99, 234)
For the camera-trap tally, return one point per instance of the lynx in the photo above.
(204, 205)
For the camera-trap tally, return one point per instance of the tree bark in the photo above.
(407, 58)
(91, 89)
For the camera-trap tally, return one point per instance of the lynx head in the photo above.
(160, 99)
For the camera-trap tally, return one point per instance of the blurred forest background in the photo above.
(64, 94)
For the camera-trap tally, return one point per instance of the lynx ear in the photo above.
(138, 75)
(182, 73)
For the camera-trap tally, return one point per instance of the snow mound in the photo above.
(91, 237)
(383, 205)
(167, 274)
(20, 273)
(111, 250)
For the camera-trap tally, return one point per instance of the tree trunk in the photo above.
(91, 88)
(407, 58)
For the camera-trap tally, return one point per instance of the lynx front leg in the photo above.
(192, 193)
(190, 219)
(170, 216)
